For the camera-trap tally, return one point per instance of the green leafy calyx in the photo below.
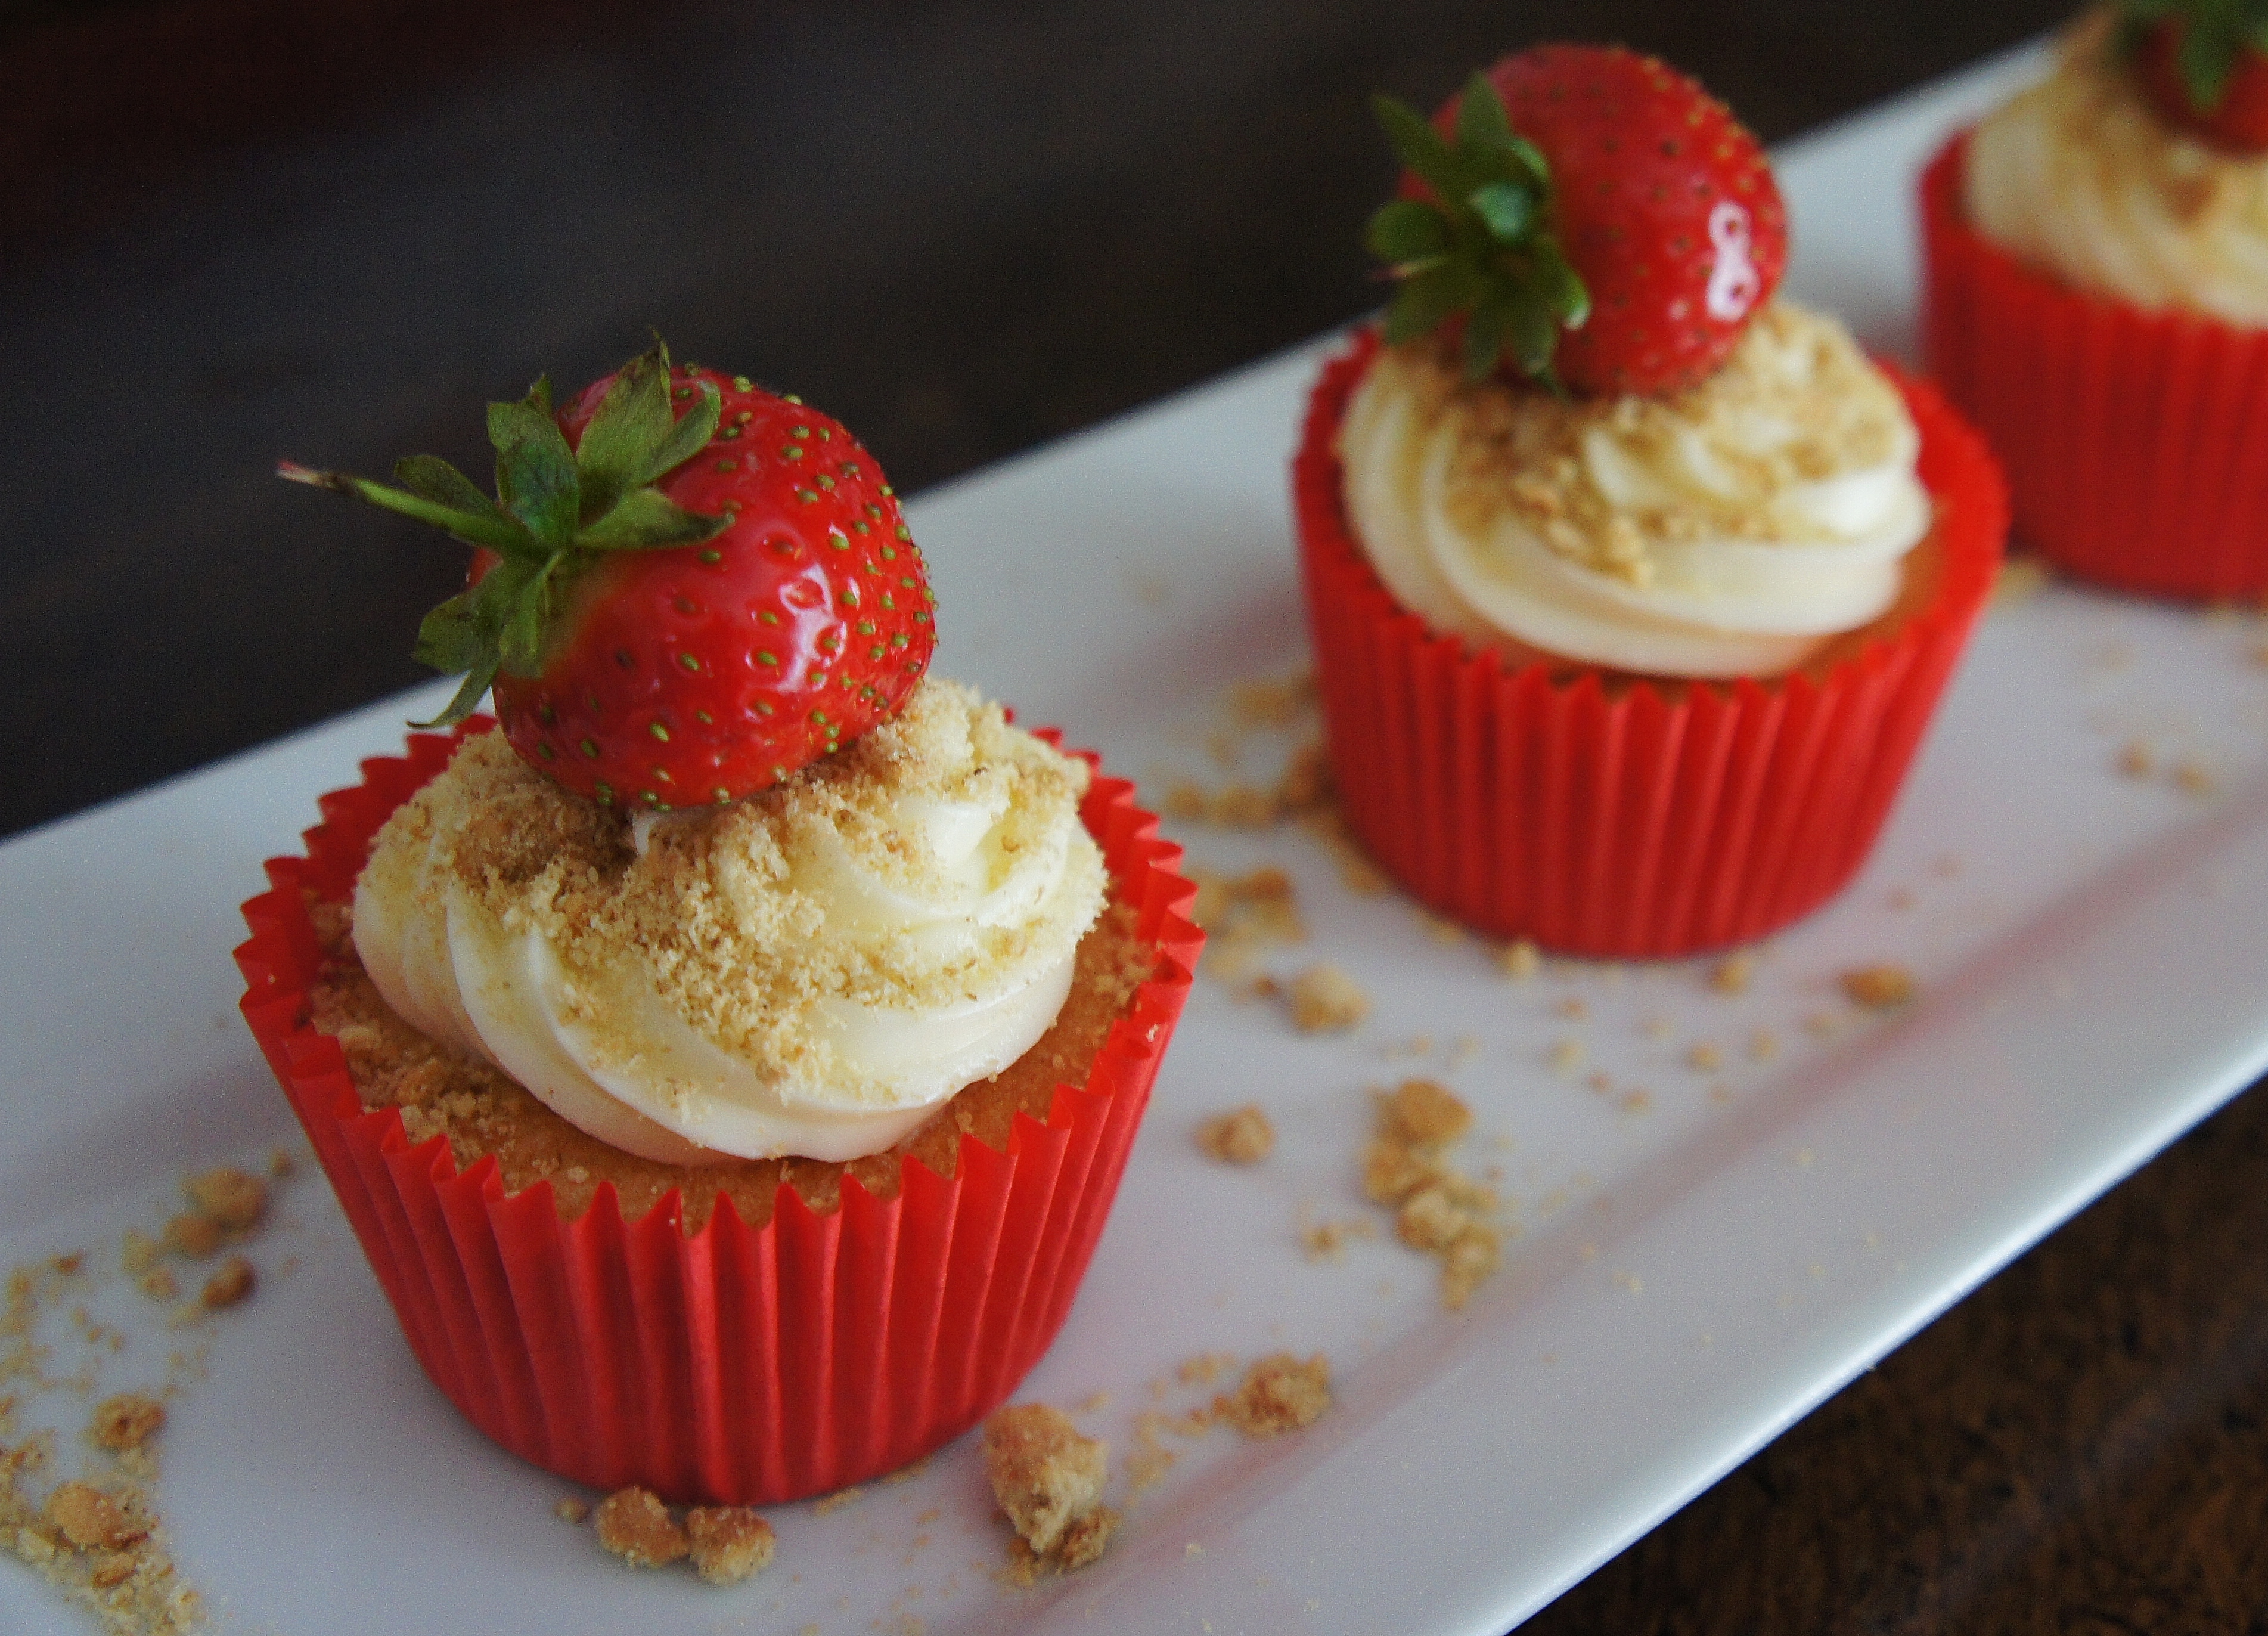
(2214, 34)
(556, 512)
(1482, 247)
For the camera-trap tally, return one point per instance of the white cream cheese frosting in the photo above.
(1729, 530)
(811, 971)
(2078, 176)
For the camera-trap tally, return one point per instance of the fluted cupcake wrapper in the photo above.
(2136, 443)
(1617, 817)
(736, 1364)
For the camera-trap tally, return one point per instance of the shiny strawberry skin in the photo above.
(1649, 171)
(2239, 125)
(699, 673)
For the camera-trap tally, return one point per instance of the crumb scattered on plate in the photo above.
(1279, 1394)
(1326, 1000)
(1242, 1136)
(1048, 1478)
(1883, 987)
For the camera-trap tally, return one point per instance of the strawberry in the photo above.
(687, 589)
(2204, 66)
(1589, 216)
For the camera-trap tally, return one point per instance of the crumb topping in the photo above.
(1796, 402)
(726, 912)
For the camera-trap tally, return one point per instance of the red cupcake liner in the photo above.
(737, 1365)
(1623, 818)
(2136, 443)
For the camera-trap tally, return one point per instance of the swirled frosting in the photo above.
(1728, 530)
(810, 971)
(2078, 176)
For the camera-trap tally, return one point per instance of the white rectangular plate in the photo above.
(1704, 1254)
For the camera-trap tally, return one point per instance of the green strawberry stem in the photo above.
(2214, 34)
(1481, 248)
(557, 511)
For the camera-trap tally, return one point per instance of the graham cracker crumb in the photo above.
(1566, 1054)
(2137, 760)
(1279, 1394)
(1272, 704)
(572, 1509)
(126, 1421)
(1325, 999)
(193, 1235)
(1763, 1045)
(1704, 1057)
(1437, 1209)
(230, 1284)
(91, 1520)
(841, 1498)
(1326, 1241)
(1243, 1136)
(1423, 1115)
(1048, 1480)
(281, 1164)
(1573, 1008)
(1205, 1369)
(1879, 988)
(729, 1543)
(159, 1284)
(2194, 777)
(1391, 1172)
(231, 1198)
(1733, 974)
(634, 1524)
(1520, 960)
(139, 1252)
(1147, 1465)
(2019, 579)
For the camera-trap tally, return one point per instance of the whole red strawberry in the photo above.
(1587, 215)
(2201, 63)
(686, 588)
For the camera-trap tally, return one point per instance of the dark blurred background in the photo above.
(236, 230)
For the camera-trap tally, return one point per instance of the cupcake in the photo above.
(726, 1057)
(1632, 586)
(2097, 300)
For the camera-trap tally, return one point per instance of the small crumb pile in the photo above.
(1304, 794)
(1048, 1480)
(1326, 1000)
(1879, 988)
(1242, 1136)
(97, 1539)
(1272, 706)
(1520, 960)
(727, 1544)
(2019, 579)
(1244, 916)
(1437, 1209)
(1280, 1393)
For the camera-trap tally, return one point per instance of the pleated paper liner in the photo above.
(1612, 815)
(2136, 443)
(735, 1364)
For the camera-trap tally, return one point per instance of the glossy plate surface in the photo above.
(1706, 1251)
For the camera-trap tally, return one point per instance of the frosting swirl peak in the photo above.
(1727, 530)
(811, 970)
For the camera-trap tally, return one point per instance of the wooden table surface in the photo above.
(242, 229)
